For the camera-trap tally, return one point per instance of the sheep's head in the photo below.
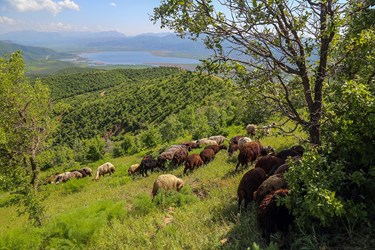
(180, 184)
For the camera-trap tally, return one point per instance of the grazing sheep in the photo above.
(193, 161)
(207, 155)
(272, 183)
(284, 154)
(251, 129)
(249, 183)
(269, 163)
(167, 182)
(218, 138)
(166, 156)
(242, 141)
(87, 171)
(134, 169)
(207, 142)
(285, 167)
(106, 168)
(267, 129)
(299, 149)
(249, 153)
(272, 218)
(190, 145)
(232, 148)
(63, 177)
(148, 163)
(179, 157)
(216, 148)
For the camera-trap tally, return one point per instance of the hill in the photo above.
(30, 53)
(99, 102)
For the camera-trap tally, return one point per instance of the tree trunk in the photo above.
(34, 178)
(315, 122)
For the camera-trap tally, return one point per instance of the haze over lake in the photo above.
(133, 58)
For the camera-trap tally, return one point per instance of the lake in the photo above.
(133, 58)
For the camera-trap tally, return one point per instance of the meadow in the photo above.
(116, 212)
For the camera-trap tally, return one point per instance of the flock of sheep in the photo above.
(261, 184)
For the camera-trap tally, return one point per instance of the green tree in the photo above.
(25, 125)
(268, 44)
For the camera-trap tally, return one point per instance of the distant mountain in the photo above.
(53, 39)
(110, 40)
(30, 53)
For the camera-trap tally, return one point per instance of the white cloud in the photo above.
(4, 20)
(48, 5)
(113, 4)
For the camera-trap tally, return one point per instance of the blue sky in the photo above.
(130, 17)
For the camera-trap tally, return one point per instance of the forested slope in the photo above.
(109, 102)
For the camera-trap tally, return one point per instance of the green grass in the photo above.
(116, 212)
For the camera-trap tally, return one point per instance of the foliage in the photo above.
(313, 183)
(150, 138)
(279, 51)
(25, 125)
(94, 149)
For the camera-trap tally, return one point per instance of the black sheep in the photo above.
(272, 218)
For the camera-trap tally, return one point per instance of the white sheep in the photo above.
(106, 168)
(207, 142)
(167, 182)
(133, 169)
(218, 138)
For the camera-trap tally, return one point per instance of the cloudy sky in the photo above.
(130, 17)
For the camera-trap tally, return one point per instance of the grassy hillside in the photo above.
(116, 212)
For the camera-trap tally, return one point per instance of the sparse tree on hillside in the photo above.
(278, 49)
(25, 124)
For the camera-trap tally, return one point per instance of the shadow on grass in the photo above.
(244, 232)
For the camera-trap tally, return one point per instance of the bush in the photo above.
(313, 184)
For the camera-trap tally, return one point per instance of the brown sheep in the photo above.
(180, 157)
(232, 148)
(207, 155)
(272, 183)
(190, 145)
(249, 153)
(193, 161)
(249, 183)
(167, 182)
(242, 141)
(216, 148)
(106, 168)
(235, 139)
(269, 163)
(272, 218)
(134, 168)
(285, 167)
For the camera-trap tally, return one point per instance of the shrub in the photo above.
(313, 184)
